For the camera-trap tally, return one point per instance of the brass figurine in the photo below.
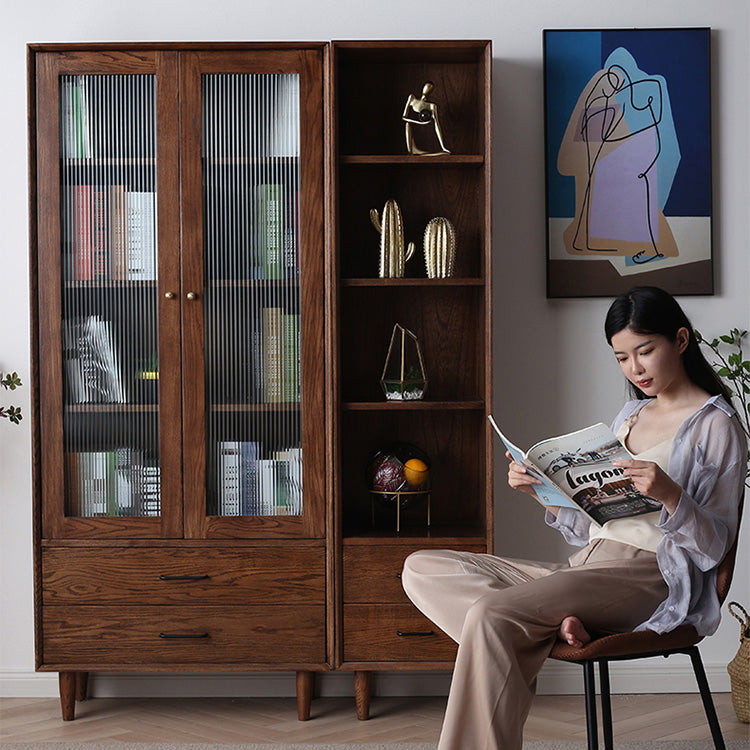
(439, 248)
(391, 229)
(419, 111)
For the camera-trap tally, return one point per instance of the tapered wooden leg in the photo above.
(68, 695)
(305, 682)
(82, 686)
(362, 686)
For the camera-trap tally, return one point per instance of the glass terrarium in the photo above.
(404, 377)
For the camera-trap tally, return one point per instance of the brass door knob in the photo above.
(192, 295)
(169, 295)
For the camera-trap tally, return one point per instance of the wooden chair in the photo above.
(640, 645)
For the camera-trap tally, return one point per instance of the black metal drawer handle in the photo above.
(183, 635)
(163, 577)
(406, 634)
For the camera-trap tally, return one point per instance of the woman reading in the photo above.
(654, 571)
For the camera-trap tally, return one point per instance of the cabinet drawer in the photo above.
(373, 573)
(184, 635)
(393, 632)
(251, 575)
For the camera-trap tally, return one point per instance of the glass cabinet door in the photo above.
(252, 284)
(103, 398)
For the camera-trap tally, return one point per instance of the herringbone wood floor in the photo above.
(636, 717)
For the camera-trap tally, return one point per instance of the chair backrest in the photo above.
(726, 566)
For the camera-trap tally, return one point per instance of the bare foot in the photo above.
(573, 633)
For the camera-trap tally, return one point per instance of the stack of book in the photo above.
(111, 233)
(276, 357)
(249, 485)
(121, 482)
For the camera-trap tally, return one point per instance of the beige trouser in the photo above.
(505, 615)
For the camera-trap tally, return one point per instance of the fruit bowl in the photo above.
(399, 474)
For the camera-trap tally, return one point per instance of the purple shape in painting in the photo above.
(620, 209)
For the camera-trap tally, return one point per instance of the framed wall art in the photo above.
(628, 161)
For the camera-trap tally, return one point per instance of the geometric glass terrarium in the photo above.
(404, 377)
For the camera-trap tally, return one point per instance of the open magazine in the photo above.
(577, 471)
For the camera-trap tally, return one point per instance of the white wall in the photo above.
(553, 370)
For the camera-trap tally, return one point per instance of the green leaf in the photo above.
(724, 372)
(727, 339)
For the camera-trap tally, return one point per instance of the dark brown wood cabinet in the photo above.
(377, 627)
(209, 329)
(180, 423)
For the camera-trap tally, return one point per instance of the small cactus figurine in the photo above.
(391, 230)
(439, 248)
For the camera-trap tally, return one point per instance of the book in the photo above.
(249, 495)
(90, 362)
(140, 227)
(269, 202)
(290, 357)
(229, 478)
(117, 232)
(273, 354)
(577, 471)
(81, 234)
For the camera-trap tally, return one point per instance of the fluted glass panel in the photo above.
(251, 134)
(109, 302)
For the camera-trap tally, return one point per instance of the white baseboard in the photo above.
(658, 675)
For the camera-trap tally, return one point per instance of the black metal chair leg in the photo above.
(708, 703)
(606, 704)
(589, 685)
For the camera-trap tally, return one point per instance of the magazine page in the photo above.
(580, 463)
(547, 492)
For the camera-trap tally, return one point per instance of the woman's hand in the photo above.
(649, 479)
(519, 478)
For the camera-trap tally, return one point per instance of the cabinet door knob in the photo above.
(169, 295)
(192, 295)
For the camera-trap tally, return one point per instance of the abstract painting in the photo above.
(628, 161)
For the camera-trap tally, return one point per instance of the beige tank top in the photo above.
(639, 531)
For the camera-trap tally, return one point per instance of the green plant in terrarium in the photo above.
(403, 377)
(10, 382)
(731, 365)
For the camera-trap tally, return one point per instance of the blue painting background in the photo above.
(681, 56)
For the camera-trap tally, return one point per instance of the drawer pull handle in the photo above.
(398, 575)
(405, 634)
(183, 635)
(182, 578)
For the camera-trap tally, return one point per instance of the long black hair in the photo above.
(650, 310)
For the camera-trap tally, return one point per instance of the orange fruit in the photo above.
(416, 472)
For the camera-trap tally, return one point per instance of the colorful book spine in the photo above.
(273, 354)
(229, 478)
(269, 216)
(81, 214)
(291, 358)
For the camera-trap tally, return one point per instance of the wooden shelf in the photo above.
(255, 407)
(388, 283)
(408, 160)
(110, 408)
(408, 537)
(413, 405)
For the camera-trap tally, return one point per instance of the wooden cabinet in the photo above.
(377, 627)
(209, 331)
(177, 275)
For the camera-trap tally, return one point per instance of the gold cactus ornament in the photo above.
(439, 248)
(393, 255)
